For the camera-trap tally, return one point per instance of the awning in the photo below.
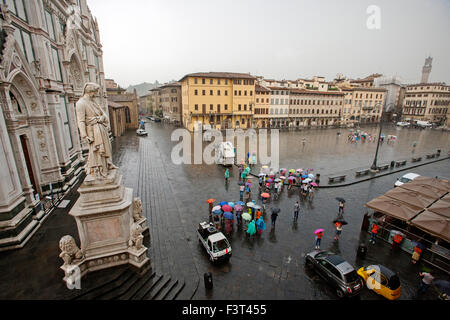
(441, 207)
(424, 188)
(434, 224)
(394, 208)
(411, 197)
(438, 183)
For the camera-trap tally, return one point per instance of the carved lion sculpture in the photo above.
(137, 209)
(69, 250)
(136, 237)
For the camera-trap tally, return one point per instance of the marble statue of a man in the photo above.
(93, 126)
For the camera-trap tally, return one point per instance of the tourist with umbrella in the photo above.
(261, 225)
(227, 175)
(319, 235)
(210, 203)
(274, 215)
(246, 217)
(264, 196)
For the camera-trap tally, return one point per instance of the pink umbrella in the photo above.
(238, 207)
(227, 208)
(269, 180)
(318, 231)
(216, 208)
(314, 184)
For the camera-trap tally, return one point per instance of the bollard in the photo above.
(317, 178)
(362, 249)
(392, 164)
(208, 280)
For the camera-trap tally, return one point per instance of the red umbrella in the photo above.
(318, 231)
(227, 208)
(210, 200)
(265, 195)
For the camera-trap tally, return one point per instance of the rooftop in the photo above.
(229, 75)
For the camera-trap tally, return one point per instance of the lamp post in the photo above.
(374, 166)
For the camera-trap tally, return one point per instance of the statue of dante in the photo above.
(93, 125)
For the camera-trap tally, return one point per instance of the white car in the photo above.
(403, 124)
(406, 178)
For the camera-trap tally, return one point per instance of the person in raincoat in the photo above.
(227, 175)
(261, 225)
(258, 215)
(251, 229)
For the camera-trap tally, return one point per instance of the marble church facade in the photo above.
(48, 50)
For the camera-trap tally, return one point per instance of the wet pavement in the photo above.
(267, 267)
(272, 266)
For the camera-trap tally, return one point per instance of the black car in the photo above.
(156, 119)
(335, 271)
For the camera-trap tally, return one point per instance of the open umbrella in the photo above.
(227, 208)
(314, 184)
(228, 215)
(231, 204)
(340, 220)
(217, 211)
(250, 204)
(246, 216)
(318, 231)
(210, 200)
(275, 210)
(311, 176)
(277, 180)
(248, 184)
(291, 171)
(299, 170)
(265, 195)
(257, 207)
(283, 169)
(216, 208)
(238, 207)
(261, 174)
(269, 180)
(240, 203)
(271, 175)
(304, 176)
(307, 180)
(223, 203)
(291, 178)
(282, 177)
(340, 199)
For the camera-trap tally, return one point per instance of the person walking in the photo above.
(241, 192)
(318, 239)
(274, 217)
(341, 207)
(338, 226)
(311, 193)
(373, 233)
(296, 209)
(427, 280)
(227, 175)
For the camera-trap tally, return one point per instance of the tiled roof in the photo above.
(124, 97)
(114, 105)
(229, 75)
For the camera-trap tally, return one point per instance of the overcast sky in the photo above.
(148, 40)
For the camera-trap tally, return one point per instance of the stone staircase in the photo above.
(127, 284)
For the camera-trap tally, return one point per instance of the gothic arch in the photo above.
(76, 78)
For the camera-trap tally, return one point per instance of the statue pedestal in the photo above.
(109, 235)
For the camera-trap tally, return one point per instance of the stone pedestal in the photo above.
(109, 231)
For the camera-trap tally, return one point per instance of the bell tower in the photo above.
(426, 70)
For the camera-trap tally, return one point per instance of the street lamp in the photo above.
(374, 166)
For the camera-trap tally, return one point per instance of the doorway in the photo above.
(26, 153)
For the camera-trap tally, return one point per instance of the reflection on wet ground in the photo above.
(272, 266)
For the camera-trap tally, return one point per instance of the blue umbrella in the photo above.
(223, 203)
(217, 211)
(231, 204)
(240, 203)
(304, 176)
(228, 215)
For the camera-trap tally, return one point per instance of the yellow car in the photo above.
(381, 280)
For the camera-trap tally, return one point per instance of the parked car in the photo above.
(381, 280)
(141, 132)
(150, 118)
(406, 178)
(214, 242)
(423, 124)
(335, 271)
(403, 124)
(156, 119)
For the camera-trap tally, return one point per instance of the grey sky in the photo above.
(163, 40)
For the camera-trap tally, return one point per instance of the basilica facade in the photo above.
(48, 50)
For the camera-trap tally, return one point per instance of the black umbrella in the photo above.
(340, 199)
(443, 286)
(275, 210)
(340, 220)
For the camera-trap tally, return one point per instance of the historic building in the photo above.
(48, 50)
(145, 104)
(220, 99)
(129, 102)
(279, 107)
(310, 108)
(170, 98)
(426, 102)
(367, 82)
(363, 105)
(262, 106)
